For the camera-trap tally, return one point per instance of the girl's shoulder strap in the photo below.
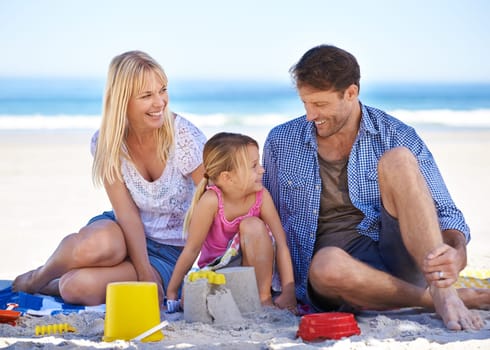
(259, 195)
(218, 193)
(258, 201)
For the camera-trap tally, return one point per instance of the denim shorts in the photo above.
(107, 215)
(389, 254)
(163, 257)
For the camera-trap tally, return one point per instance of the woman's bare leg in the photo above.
(87, 286)
(96, 245)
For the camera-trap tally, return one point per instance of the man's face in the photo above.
(329, 110)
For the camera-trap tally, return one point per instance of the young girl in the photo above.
(231, 209)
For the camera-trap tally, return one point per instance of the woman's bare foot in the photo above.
(28, 282)
(453, 311)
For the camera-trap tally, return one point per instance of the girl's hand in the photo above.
(173, 303)
(173, 306)
(171, 295)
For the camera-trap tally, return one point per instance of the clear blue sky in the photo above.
(411, 40)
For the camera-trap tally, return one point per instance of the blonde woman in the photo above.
(233, 221)
(149, 161)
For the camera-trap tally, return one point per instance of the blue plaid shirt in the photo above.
(292, 176)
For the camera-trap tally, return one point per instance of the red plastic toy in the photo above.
(327, 325)
(9, 316)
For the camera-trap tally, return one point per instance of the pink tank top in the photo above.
(222, 230)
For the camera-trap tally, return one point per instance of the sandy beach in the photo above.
(47, 192)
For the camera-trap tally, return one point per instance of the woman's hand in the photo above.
(153, 276)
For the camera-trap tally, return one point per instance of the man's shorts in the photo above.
(389, 254)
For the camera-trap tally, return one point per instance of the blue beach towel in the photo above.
(41, 305)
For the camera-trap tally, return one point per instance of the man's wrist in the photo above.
(454, 238)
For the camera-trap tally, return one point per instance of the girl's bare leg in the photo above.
(257, 251)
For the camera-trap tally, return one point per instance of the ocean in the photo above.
(66, 104)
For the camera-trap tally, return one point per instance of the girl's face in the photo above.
(250, 175)
(145, 108)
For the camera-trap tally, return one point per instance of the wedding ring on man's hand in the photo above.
(441, 275)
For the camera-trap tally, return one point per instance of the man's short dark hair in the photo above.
(326, 67)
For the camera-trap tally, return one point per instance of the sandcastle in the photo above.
(220, 297)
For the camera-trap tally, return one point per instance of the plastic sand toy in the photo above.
(211, 276)
(327, 325)
(49, 329)
(10, 316)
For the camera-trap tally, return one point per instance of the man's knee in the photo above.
(398, 159)
(326, 266)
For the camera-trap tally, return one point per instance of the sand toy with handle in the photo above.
(9, 315)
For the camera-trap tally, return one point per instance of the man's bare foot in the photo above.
(28, 282)
(475, 298)
(453, 311)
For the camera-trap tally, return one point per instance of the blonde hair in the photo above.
(128, 74)
(223, 152)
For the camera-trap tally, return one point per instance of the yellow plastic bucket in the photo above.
(131, 309)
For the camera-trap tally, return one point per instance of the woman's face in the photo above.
(145, 108)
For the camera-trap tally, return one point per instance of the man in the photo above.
(369, 220)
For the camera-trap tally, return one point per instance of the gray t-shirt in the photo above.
(338, 218)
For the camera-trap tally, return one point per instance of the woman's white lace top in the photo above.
(164, 202)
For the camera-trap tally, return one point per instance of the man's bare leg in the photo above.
(341, 278)
(406, 196)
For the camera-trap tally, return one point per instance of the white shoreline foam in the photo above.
(478, 118)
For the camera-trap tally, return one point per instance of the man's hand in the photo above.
(443, 264)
